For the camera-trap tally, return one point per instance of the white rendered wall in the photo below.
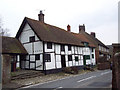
(32, 48)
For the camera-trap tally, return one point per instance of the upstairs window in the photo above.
(86, 44)
(92, 50)
(32, 39)
(37, 57)
(49, 45)
(62, 47)
(69, 47)
(69, 57)
(47, 58)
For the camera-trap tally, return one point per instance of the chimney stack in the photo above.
(41, 17)
(82, 27)
(93, 34)
(68, 28)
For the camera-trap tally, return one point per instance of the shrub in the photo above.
(75, 70)
(71, 70)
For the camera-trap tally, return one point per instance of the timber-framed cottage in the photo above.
(52, 48)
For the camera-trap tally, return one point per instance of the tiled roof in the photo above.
(93, 39)
(50, 33)
(11, 45)
(84, 39)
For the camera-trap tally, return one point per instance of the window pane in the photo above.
(76, 58)
(69, 57)
(37, 57)
(62, 48)
(92, 55)
(92, 49)
(47, 58)
(32, 39)
(69, 47)
(87, 56)
(49, 45)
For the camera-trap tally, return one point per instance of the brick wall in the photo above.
(97, 55)
(6, 75)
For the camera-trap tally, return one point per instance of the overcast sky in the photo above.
(99, 16)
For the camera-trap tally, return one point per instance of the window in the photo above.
(37, 57)
(76, 58)
(47, 58)
(62, 47)
(69, 57)
(49, 45)
(86, 44)
(69, 47)
(87, 56)
(32, 39)
(92, 49)
(92, 55)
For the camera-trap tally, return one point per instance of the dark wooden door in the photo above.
(84, 60)
(63, 62)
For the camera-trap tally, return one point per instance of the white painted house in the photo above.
(52, 48)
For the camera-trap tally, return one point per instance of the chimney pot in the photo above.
(41, 17)
(68, 28)
(93, 34)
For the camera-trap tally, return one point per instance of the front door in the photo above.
(63, 62)
(84, 60)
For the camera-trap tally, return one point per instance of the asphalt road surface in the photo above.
(96, 79)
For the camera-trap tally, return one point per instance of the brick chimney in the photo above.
(41, 17)
(81, 27)
(93, 34)
(68, 28)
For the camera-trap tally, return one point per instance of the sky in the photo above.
(99, 16)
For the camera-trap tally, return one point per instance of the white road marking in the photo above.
(86, 79)
(105, 73)
(57, 88)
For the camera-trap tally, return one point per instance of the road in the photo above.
(96, 79)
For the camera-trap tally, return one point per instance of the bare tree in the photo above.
(3, 31)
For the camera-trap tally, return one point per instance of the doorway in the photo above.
(63, 62)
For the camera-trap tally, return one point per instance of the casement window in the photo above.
(86, 44)
(92, 55)
(69, 57)
(76, 58)
(37, 57)
(62, 47)
(69, 47)
(49, 45)
(47, 58)
(87, 56)
(32, 39)
(92, 49)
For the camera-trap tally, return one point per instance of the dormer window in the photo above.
(49, 45)
(32, 38)
(86, 44)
